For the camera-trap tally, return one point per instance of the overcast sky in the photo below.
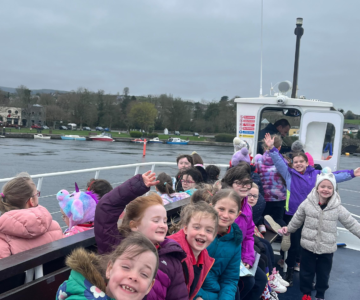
(193, 49)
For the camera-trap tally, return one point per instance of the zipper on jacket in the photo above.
(319, 230)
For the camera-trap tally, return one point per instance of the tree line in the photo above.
(125, 111)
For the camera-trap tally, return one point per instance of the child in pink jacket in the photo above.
(24, 224)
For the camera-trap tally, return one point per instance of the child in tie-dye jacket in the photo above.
(273, 184)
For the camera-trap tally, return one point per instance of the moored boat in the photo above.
(155, 141)
(176, 141)
(138, 141)
(41, 136)
(73, 137)
(103, 137)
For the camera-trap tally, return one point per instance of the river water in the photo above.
(48, 156)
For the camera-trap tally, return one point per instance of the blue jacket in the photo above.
(299, 185)
(222, 280)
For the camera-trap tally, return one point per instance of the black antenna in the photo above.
(299, 31)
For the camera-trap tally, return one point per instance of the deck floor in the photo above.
(344, 279)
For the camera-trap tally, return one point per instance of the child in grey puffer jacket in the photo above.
(320, 213)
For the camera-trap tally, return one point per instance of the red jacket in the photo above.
(208, 262)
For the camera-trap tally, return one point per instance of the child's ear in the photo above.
(185, 229)
(133, 226)
(108, 270)
(150, 286)
(279, 148)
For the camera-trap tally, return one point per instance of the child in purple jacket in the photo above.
(300, 180)
(239, 178)
(147, 215)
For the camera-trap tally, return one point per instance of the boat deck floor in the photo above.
(344, 278)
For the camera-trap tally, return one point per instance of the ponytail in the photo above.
(165, 184)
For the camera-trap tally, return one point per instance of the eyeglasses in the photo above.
(187, 181)
(37, 194)
(253, 196)
(243, 183)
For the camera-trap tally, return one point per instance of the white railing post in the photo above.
(29, 275)
(39, 272)
(97, 173)
(152, 168)
(39, 184)
(136, 170)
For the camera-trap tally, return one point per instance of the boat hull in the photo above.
(177, 143)
(102, 139)
(155, 142)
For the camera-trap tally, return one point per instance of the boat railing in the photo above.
(97, 171)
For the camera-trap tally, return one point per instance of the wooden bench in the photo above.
(52, 257)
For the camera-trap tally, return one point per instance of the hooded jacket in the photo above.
(170, 283)
(272, 182)
(300, 185)
(222, 280)
(24, 229)
(320, 227)
(85, 281)
(188, 271)
(247, 226)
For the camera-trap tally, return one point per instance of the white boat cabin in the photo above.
(318, 125)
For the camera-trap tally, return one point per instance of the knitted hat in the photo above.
(241, 155)
(297, 146)
(325, 174)
(239, 144)
(79, 207)
(310, 159)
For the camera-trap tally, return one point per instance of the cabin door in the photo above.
(321, 132)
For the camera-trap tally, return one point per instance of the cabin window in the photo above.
(9, 111)
(320, 140)
(270, 115)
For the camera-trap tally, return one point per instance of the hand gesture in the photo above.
(247, 266)
(357, 172)
(149, 179)
(269, 141)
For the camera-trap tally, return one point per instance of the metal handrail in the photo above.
(97, 171)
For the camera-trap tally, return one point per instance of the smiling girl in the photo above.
(128, 273)
(239, 179)
(199, 225)
(319, 213)
(190, 178)
(300, 180)
(183, 162)
(147, 215)
(222, 280)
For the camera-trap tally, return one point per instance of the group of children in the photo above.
(216, 234)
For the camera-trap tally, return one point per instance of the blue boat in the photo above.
(176, 141)
(73, 137)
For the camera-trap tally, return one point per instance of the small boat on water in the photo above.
(155, 141)
(138, 141)
(73, 137)
(41, 136)
(177, 141)
(103, 137)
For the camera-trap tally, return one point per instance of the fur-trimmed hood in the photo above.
(85, 263)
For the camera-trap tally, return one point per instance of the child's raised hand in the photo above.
(269, 141)
(149, 179)
(357, 172)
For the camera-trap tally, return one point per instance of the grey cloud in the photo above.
(193, 49)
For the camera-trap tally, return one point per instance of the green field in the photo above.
(347, 121)
(86, 133)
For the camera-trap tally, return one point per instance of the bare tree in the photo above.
(126, 91)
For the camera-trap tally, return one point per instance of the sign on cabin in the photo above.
(320, 130)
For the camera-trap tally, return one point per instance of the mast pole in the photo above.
(261, 51)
